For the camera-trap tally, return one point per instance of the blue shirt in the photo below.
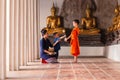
(57, 46)
(44, 45)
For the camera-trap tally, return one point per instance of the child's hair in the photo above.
(43, 32)
(76, 21)
(55, 33)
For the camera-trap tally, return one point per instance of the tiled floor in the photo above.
(85, 69)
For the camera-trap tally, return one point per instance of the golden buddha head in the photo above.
(53, 10)
(88, 11)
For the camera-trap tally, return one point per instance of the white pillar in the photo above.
(3, 38)
(8, 35)
(31, 29)
(12, 34)
(27, 29)
(16, 38)
(35, 30)
(38, 26)
(29, 32)
(25, 32)
(21, 44)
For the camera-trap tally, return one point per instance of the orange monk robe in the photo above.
(75, 50)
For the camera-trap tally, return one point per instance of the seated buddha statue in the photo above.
(54, 22)
(116, 20)
(88, 23)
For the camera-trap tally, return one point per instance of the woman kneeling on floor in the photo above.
(46, 54)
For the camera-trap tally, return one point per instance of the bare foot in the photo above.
(75, 61)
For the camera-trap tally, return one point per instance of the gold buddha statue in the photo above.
(54, 22)
(116, 20)
(88, 23)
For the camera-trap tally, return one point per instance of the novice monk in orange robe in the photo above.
(75, 50)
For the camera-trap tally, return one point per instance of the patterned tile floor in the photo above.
(85, 69)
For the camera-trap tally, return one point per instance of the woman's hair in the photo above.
(76, 21)
(43, 32)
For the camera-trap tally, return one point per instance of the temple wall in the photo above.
(70, 9)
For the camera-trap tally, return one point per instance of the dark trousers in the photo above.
(56, 55)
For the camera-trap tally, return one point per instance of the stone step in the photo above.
(24, 74)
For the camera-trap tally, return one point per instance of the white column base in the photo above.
(113, 52)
